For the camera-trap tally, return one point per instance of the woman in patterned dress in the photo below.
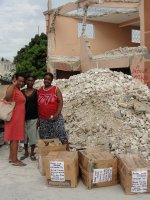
(50, 103)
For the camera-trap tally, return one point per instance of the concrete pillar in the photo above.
(142, 27)
(85, 54)
(50, 50)
(145, 38)
(50, 36)
(147, 23)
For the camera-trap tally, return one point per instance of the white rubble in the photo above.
(107, 109)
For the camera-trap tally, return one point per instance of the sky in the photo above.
(19, 22)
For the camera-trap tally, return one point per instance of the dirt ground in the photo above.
(26, 183)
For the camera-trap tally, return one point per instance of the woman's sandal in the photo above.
(24, 157)
(18, 163)
(33, 158)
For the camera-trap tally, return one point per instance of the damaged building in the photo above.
(87, 34)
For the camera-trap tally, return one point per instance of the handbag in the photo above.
(6, 110)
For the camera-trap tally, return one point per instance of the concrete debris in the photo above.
(65, 59)
(122, 52)
(72, 61)
(107, 109)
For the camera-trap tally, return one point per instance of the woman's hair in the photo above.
(30, 76)
(16, 75)
(49, 74)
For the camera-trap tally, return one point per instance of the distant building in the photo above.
(6, 67)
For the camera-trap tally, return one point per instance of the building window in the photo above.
(135, 36)
(89, 32)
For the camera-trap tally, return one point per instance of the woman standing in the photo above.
(30, 118)
(50, 103)
(14, 129)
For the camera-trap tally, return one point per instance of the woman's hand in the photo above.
(10, 91)
(38, 124)
(53, 117)
(14, 82)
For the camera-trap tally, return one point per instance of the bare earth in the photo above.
(26, 183)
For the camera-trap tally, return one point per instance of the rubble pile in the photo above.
(107, 109)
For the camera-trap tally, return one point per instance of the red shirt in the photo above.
(47, 102)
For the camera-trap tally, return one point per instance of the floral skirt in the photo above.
(53, 129)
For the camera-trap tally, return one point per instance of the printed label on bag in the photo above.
(57, 171)
(139, 181)
(102, 175)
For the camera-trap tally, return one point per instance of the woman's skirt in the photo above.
(53, 129)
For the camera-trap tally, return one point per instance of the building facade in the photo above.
(105, 34)
(6, 67)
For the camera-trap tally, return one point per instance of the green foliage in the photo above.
(32, 58)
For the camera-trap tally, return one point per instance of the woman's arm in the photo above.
(60, 103)
(10, 91)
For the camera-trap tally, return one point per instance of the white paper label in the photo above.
(57, 171)
(139, 181)
(102, 175)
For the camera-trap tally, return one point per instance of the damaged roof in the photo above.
(126, 1)
(107, 14)
(116, 15)
(98, 11)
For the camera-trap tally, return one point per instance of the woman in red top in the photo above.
(14, 129)
(50, 103)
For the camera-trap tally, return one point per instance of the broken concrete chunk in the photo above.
(140, 107)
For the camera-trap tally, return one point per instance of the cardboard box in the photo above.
(61, 169)
(98, 168)
(134, 173)
(46, 146)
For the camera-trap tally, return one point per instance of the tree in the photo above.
(3, 59)
(32, 57)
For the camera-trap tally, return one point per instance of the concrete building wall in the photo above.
(110, 36)
(67, 41)
(147, 40)
(140, 66)
(107, 36)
